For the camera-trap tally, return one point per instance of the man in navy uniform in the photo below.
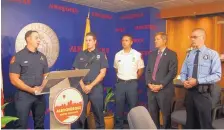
(91, 87)
(27, 70)
(200, 71)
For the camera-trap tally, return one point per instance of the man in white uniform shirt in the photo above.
(129, 67)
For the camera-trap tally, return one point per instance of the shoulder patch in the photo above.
(42, 58)
(12, 60)
(141, 56)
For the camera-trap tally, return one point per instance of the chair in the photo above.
(139, 118)
(218, 123)
(180, 116)
(88, 108)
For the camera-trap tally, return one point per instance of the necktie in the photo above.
(156, 65)
(195, 68)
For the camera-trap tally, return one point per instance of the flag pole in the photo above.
(88, 13)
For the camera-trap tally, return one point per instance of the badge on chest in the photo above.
(81, 59)
(206, 57)
(98, 57)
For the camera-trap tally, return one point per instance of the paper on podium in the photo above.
(55, 77)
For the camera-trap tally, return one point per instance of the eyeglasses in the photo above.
(194, 37)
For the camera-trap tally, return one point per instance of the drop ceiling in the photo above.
(124, 5)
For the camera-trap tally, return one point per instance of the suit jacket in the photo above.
(167, 68)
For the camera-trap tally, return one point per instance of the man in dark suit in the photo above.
(160, 72)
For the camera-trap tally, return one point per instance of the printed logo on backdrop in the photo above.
(64, 8)
(79, 48)
(68, 106)
(102, 16)
(49, 44)
(26, 2)
(120, 30)
(132, 16)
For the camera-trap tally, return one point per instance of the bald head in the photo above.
(200, 31)
(198, 37)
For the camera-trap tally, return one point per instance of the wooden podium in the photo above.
(54, 83)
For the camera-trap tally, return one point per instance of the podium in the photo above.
(54, 84)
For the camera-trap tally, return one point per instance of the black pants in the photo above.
(198, 107)
(96, 99)
(161, 101)
(125, 91)
(24, 102)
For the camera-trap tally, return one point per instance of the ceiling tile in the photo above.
(123, 5)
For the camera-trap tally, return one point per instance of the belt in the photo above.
(126, 81)
(202, 88)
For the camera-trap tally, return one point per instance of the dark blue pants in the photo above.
(124, 91)
(198, 107)
(96, 99)
(24, 102)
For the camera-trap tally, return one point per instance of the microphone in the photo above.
(90, 61)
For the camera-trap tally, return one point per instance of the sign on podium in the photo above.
(65, 102)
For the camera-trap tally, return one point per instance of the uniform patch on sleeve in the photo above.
(141, 56)
(12, 60)
(42, 58)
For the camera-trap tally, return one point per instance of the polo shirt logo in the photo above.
(41, 58)
(98, 57)
(133, 59)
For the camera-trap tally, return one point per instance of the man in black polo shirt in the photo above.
(90, 86)
(27, 70)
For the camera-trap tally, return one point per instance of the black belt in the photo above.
(130, 80)
(202, 88)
